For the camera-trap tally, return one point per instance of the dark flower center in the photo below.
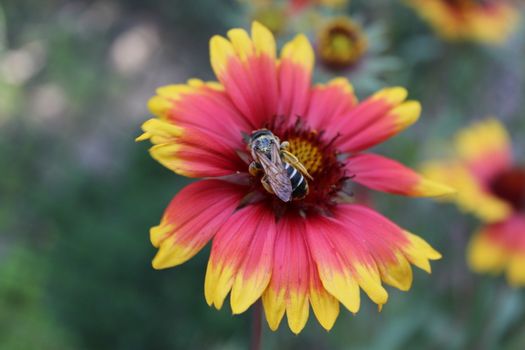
(322, 162)
(510, 187)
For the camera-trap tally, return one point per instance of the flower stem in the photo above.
(255, 342)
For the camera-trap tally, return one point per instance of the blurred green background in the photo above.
(78, 195)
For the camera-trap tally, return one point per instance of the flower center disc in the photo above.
(510, 186)
(307, 153)
(341, 44)
(320, 158)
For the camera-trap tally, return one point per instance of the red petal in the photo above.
(247, 68)
(198, 130)
(294, 76)
(192, 219)
(241, 258)
(356, 262)
(288, 288)
(384, 174)
(381, 236)
(375, 120)
(328, 104)
(335, 270)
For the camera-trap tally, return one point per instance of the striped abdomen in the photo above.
(299, 184)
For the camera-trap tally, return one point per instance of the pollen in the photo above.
(308, 153)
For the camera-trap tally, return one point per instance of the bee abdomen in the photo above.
(299, 184)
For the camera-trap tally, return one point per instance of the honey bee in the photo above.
(284, 175)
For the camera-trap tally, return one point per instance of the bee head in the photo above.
(262, 140)
(259, 133)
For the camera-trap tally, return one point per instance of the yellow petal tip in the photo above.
(143, 137)
(393, 95)
(429, 188)
(220, 52)
(406, 114)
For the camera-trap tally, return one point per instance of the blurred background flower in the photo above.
(491, 185)
(347, 42)
(346, 46)
(341, 43)
(78, 195)
(487, 21)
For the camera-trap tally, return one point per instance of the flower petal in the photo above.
(485, 256)
(254, 273)
(376, 119)
(500, 246)
(289, 285)
(472, 195)
(324, 305)
(419, 252)
(248, 70)
(294, 75)
(241, 258)
(396, 272)
(359, 261)
(485, 147)
(185, 229)
(197, 130)
(328, 103)
(385, 241)
(384, 174)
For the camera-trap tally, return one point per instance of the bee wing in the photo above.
(276, 174)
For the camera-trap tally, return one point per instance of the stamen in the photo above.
(307, 153)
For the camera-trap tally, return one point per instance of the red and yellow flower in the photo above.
(318, 251)
(491, 186)
(488, 21)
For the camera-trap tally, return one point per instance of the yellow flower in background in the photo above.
(341, 43)
(491, 186)
(490, 21)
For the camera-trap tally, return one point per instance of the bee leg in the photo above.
(284, 145)
(294, 161)
(254, 169)
(266, 184)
